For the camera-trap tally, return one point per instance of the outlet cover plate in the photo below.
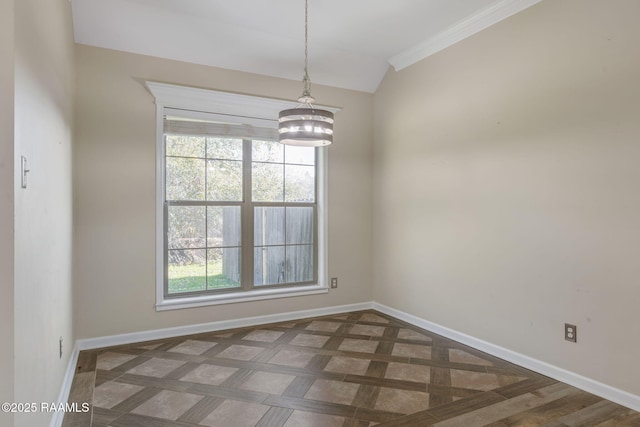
(570, 332)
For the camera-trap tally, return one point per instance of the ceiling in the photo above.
(351, 42)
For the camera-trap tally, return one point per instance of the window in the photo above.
(240, 216)
(203, 195)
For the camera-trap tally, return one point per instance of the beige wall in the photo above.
(507, 187)
(6, 207)
(44, 74)
(114, 162)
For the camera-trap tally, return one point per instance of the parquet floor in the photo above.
(354, 370)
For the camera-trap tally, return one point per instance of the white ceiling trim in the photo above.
(485, 18)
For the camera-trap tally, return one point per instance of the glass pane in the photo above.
(223, 268)
(299, 267)
(300, 183)
(267, 151)
(268, 182)
(268, 265)
(268, 226)
(300, 155)
(224, 180)
(186, 227)
(299, 225)
(185, 179)
(187, 270)
(185, 146)
(224, 148)
(223, 226)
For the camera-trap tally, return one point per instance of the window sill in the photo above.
(232, 298)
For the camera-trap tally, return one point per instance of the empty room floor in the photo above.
(358, 369)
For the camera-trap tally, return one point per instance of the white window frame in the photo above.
(263, 113)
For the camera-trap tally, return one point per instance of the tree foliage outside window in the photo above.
(227, 199)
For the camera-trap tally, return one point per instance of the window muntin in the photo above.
(211, 227)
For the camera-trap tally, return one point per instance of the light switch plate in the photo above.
(24, 171)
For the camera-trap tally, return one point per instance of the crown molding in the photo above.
(484, 18)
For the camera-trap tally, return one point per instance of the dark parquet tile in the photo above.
(136, 400)
(201, 410)
(359, 369)
(103, 417)
(86, 361)
(81, 393)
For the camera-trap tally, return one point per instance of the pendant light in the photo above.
(306, 125)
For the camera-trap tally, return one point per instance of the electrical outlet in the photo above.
(570, 332)
(60, 347)
(334, 282)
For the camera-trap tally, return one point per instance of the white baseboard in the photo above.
(63, 396)
(112, 340)
(610, 393)
(587, 384)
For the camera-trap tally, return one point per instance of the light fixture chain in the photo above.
(307, 80)
(305, 125)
